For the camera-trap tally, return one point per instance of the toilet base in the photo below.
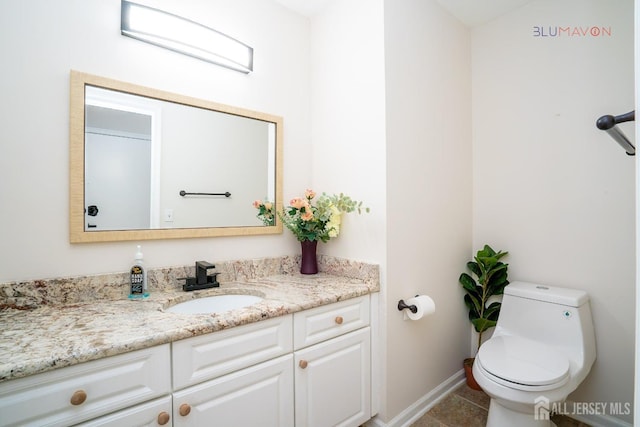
(500, 416)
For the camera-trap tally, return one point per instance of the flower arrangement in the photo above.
(266, 212)
(310, 222)
(319, 222)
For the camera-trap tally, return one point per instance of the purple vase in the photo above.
(309, 263)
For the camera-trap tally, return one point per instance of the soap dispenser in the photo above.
(138, 278)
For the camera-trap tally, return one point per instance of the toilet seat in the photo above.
(523, 364)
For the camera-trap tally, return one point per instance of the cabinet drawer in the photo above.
(109, 384)
(209, 356)
(148, 414)
(322, 323)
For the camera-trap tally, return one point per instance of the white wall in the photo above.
(549, 187)
(42, 41)
(348, 126)
(428, 92)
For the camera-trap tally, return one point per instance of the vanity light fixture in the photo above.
(184, 36)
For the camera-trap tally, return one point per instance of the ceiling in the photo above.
(470, 12)
(304, 7)
(476, 12)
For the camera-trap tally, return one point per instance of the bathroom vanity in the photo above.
(301, 356)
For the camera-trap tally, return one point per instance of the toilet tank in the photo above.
(559, 317)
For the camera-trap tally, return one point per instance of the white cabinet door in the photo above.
(149, 414)
(333, 380)
(260, 396)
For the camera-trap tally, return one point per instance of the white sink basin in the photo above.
(214, 304)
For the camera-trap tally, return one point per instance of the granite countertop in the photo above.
(50, 336)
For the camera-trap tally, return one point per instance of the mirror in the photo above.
(148, 164)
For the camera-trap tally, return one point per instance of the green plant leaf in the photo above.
(475, 269)
(498, 283)
(494, 271)
(482, 325)
(487, 251)
(476, 291)
(492, 311)
(467, 282)
(473, 304)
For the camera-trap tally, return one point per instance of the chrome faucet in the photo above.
(202, 279)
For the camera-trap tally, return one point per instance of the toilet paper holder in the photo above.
(402, 305)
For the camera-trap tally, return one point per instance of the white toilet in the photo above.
(542, 348)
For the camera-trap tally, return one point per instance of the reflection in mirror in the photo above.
(136, 151)
(118, 175)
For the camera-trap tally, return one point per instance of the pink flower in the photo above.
(309, 194)
(257, 203)
(298, 202)
(307, 215)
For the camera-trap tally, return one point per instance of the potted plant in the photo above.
(491, 274)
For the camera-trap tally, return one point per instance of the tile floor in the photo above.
(465, 407)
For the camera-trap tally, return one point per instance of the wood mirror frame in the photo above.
(78, 234)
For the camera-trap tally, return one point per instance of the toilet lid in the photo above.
(523, 361)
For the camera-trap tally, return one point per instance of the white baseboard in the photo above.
(423, 405)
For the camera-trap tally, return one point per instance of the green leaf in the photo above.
(475, 269)
(498, 283)
(473, 304)
(467, 282)
(494, 270)
(482, 325)
(486, 261)
(492, 311)
(487, 251)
